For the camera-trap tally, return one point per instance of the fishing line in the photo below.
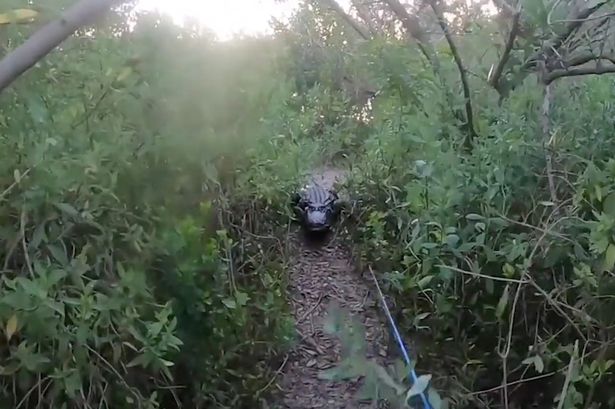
(398, 338)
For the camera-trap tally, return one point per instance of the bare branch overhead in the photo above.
(410, 22)
(494, 78)
(580, 38)
(597, 69)
(470, 131)
(49, 37)
(348, 19)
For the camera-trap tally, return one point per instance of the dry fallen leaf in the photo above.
(11, 327)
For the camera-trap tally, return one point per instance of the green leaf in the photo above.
(51, 141)
(242, 298)
(58, 254)
(141, 360)
(11, 327)
(166, 363)
(608, 205)
(434, 399)
(539, 364)
(38, 236)
(598, 192)
(37, 109)
(229, 303)
(72, 384)
(499, 310)
(489, 286)
(155, 328)
(424, 281)
(385, 378)
(536, 361)
(452, 240)
(609, 257)
(419, 386)
(474, 217)
(32, 361)
(67, 209)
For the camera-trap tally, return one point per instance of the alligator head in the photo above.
(319, 218)
(317, 208)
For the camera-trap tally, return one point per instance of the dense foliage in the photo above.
(145, 177)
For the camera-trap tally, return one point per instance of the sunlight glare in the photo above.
(225, 19)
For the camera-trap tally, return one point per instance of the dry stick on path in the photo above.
(49, 37)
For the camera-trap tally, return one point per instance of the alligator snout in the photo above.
(317, 219)
(316, 208)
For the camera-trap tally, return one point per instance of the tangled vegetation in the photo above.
(146, 170)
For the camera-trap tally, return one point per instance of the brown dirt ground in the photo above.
(323, 275)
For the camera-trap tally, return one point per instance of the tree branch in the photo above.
(471, 132)
(575, 23)
(505, 7)
(588, 57)
(494, 80)
(579, 71)
(411, 23)
(412, 26)
(348, 19)
(49, 37)
(555, 43)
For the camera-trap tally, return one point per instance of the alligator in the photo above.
(317, 208)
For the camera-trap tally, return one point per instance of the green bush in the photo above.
(129, 276)
(144, 183)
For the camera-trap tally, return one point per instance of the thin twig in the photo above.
(505, 353)
(31, 390)
(562, 397)
(513, 383)
(15, 183)
(275, 375)
(22, 229)
(120, 378)
(311, 310)
(471, 273)
(530, 226)
(505, 380)
(555, 305)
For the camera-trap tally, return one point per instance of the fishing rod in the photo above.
(400, 341)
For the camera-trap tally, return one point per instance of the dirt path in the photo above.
(323, 274)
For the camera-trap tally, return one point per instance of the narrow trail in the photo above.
(323, 275)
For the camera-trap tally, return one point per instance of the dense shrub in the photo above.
(144, 184)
